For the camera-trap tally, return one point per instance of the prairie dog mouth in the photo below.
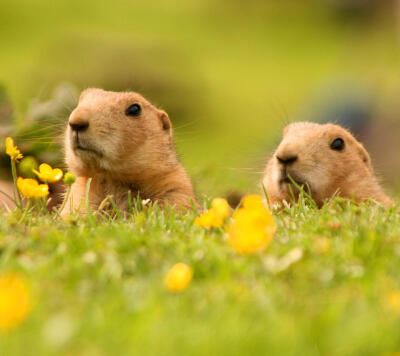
(287, 180)
(78, 146)
(86, 149)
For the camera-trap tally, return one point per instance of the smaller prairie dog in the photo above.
(326, 159)
(123, 143)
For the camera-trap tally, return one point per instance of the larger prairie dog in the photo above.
(326, 159)
(123, 143)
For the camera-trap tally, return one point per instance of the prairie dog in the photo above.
(326, 158)
(123, 143)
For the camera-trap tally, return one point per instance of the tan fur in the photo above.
(348, 172)
(124, 153)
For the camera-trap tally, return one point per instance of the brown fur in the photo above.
(348, 172)
(124, 153)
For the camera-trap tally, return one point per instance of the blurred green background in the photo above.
(230, 74)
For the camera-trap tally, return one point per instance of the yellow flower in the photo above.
(30, 188)
(209, 219)
(14, 300)
(178, 277)
(253, 201)
(252, 227)
(12, 150)
(215, 216)
(221, 207)
(47, 174)
(392, 301)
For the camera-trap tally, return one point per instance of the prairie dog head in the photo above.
(120, 133)
(326, 158)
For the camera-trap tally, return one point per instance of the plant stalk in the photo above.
(17, 194)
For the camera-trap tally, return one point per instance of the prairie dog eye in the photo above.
(337, 144)
(133, 110)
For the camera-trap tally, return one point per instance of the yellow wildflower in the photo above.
(14, 300)
(178, 277)
(215, 216)
(13, 150)
(253, 201)
(252, 227)
(47, 174)
(392, 301)
(30, 188)
(221, 207)
(209, 219)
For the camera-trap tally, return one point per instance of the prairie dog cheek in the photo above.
(113, 147)
(318, 180)
(276, 176)
(271, 181)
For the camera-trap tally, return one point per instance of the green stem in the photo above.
(130, 205)
(43, 206)
(16, 191)
(28, 205)
(65, 198)
(87, 195)
(8, 196)
(116, 211)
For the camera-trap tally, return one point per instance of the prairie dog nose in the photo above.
(79, 127)
(78, 122)
(286, 159)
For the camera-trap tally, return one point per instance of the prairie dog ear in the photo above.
(83, 94)
(165, 121)
(87, 91)
(364, 155)
(286, 130)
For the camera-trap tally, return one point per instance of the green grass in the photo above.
(97, 285)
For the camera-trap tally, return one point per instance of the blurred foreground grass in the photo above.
(328, 284)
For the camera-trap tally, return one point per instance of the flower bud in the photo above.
(69, 178)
